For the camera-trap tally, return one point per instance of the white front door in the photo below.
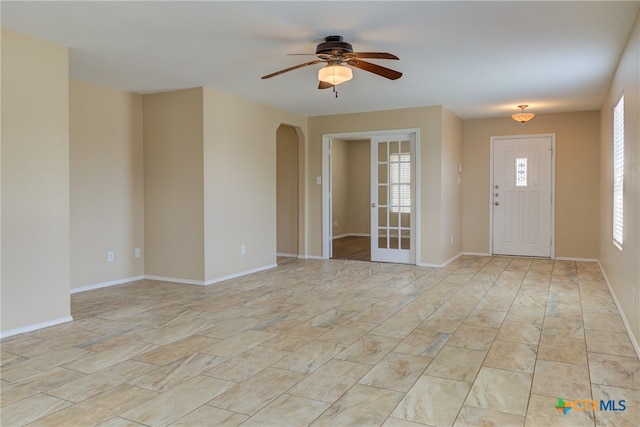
(522, 195)
(393, 198)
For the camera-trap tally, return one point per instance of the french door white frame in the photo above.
(553, 186)
(327, 233)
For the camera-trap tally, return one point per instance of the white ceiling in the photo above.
(480, 59)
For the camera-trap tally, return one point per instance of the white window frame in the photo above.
(618, 173)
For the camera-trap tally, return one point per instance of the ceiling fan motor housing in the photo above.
(332, 44)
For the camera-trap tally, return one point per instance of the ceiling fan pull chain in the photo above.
(335, 91)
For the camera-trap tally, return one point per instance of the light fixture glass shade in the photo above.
(522, 117)
(335, 74)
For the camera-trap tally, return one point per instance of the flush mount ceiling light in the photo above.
(522, 116)
(334, 74)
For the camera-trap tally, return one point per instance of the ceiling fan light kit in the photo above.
(339, 58)
(335, 74)
(522, 117)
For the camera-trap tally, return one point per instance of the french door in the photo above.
(393, 198)
(521, 197)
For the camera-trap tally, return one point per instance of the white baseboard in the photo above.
(242, 273)
(35, 327)
(444, 264)
(351, 235)
(428, 264)
(634, 342)
(287, 255)
(558, 258)
(175, 280)
(309, 257)
(106, 284)
(554, 258)
(476, 254)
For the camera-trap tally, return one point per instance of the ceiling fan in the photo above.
(338, 55)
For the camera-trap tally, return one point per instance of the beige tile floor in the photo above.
(484, 341)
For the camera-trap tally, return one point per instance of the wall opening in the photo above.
(289, 191)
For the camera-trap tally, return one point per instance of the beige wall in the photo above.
(174, 185)
(35, 182)
(340, 187)
(210, 184)
(240, 182)
(351, 187)
(451, 192)
(106, 180)
(287, 190)
(359, 187)
(577, 179)
(623, 267)
(429, 121)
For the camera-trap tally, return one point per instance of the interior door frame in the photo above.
(325, 180)
(553, 185)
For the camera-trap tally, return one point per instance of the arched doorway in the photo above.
(289, 191)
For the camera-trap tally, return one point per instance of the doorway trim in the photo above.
(553, 185)
(325, 180)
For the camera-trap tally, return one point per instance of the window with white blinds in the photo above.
(618, 173)
(400, 182)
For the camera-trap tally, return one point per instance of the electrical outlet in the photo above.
(243, 249)
(451, 238)
(335, 223)
(136, 253)
(110, 256)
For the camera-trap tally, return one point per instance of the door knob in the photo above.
(497, 203)
(373, 205)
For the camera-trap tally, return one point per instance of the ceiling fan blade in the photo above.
(268, 76)
(376, 55)
(323, 56)
(375, 69)
(324, 85)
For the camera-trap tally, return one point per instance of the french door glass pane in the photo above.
(382, 217)
(382, 195)
(382, 173)
(394, 195)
